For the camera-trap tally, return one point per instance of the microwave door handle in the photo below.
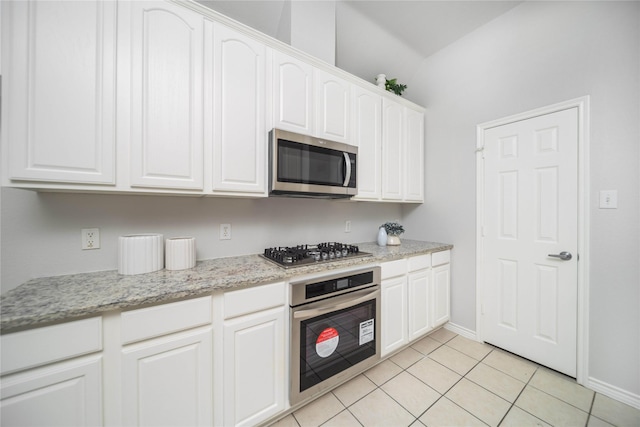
(347, 163)
(306, 314)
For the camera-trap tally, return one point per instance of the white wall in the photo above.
(538, 54)
(313, 28)
(365, 49)
(41, 231)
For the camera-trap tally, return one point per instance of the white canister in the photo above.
(180, 253)
(140, 253)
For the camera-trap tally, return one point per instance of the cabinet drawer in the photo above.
(393, 268)
(164, 319)
(49, 344)
(419, 262)
(245, 301)
(439, 258)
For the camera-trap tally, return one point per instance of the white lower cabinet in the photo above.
(441, 288)
(52, 375)
(415, 298)
(167, 364)
(254, 369)
(394, 306)
(394, 314)
(254, 380)
(62, 394)
(168, 380)
(419, 310)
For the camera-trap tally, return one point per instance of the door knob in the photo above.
(565, 256)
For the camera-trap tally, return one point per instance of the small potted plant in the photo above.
(395, 87)
(394, 230)
(390, 85)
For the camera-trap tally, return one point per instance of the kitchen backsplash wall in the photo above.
(41, 231)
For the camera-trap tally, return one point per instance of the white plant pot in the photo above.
(393, 240)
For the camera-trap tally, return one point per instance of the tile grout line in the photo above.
(442, 395)
(516, 399)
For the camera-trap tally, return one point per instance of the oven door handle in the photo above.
(313, 312)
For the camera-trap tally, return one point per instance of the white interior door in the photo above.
(530, 215)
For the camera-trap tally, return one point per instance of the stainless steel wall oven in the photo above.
(335, 330)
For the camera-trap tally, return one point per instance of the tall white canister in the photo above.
(140, 253)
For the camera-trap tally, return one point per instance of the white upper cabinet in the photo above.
(194, 96)
(166, 99)
(367, 135)
(58, 106)
(414, 157)
(236, 113)
(333, 107)
(292, 94)
(392, 150)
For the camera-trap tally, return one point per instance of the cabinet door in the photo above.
(63, 394)
(394, 314)
(419, 287)
(392, 150)
(166, 96)
(414, 156)
(169, 381)
(58, 104)
(441, 299)
(239, 133)
(333, 107)
(254, 376)
(292, 94)
(367, 136)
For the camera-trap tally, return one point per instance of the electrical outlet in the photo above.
(347, 226)
(225, 231)
(90, 238)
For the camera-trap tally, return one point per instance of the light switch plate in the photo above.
(608, 199)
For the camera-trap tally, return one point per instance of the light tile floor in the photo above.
(448, 380)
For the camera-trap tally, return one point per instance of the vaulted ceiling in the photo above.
(377, 36)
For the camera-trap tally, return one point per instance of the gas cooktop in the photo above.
(301, 255)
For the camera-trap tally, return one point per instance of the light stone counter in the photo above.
(54, 299)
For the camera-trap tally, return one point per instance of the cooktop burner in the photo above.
(301, 255)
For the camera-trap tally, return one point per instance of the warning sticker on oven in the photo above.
(366, 331)
(327, 342)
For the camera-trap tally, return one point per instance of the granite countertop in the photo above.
(54, 299)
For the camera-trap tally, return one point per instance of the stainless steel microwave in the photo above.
(304, 166)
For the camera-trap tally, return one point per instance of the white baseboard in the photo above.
(467, 333)
(614, 392)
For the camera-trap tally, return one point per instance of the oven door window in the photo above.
(333, 342)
